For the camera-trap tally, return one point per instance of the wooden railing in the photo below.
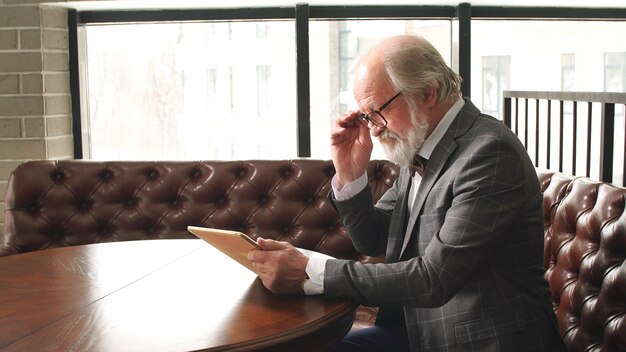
(581, 134)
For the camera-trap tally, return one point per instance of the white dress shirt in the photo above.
(317, 261)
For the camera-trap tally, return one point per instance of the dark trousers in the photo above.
(374, 339)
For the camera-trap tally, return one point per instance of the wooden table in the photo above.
(158, 295)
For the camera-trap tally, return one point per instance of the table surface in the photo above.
(154, 295)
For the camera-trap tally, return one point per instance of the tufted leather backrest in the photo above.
(585, 246)
(64, 203)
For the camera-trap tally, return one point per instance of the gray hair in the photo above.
(414, 66)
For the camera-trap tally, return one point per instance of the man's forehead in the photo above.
(370, 88)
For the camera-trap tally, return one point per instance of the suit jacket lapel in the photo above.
(446, 146)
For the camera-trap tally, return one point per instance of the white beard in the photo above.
(401, 149)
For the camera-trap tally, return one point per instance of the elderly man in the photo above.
(461, 228)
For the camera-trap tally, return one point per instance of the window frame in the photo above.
(460, 15)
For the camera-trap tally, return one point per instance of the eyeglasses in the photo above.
(375, 117)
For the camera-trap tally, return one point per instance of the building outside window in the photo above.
(496, 77)
(263, 76)
(568, 72)
(615, 72)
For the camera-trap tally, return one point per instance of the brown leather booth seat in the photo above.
(63, 203)
(585, 246)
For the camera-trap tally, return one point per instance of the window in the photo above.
(196, 90)
(496, 77)
(190, 91)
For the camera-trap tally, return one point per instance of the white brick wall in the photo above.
(35, 103)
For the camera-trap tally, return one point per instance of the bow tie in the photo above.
(418, 165)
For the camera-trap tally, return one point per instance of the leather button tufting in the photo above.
(57, 176)
(195, 173)
(152, 175)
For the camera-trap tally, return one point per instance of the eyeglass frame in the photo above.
(366, 119)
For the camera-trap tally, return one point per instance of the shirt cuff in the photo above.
(314, 285)
(349, 190)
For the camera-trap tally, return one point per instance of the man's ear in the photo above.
(430, 94)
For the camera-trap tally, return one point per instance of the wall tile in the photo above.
(34, 127)
(57, 83)
(60, 148)
(54, 62)
(20, 62)
(58, 126)
(8, 39)
(9, 84)
(10, 128)
(19, 16)
(30, 39)
(54, 17)
(55, 39)
(21, 106)
(23, 149)
(32, 84)
(57, 104)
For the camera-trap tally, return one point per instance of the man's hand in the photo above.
(280, 266)
(351, 147)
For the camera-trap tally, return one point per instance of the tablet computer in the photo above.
(232, 243)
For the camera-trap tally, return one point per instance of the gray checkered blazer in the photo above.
(465, 266)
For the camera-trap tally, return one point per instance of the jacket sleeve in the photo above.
(366, 223)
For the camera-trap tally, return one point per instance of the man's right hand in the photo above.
(350, 146)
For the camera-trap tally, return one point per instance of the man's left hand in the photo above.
(280, 266)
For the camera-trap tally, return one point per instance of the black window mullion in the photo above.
(72, 31)
(303, 104)
(380, 12)
(464, 15)
(228, 14)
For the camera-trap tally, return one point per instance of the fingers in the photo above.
(263, 255)
(272, 245)
(350, 119)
